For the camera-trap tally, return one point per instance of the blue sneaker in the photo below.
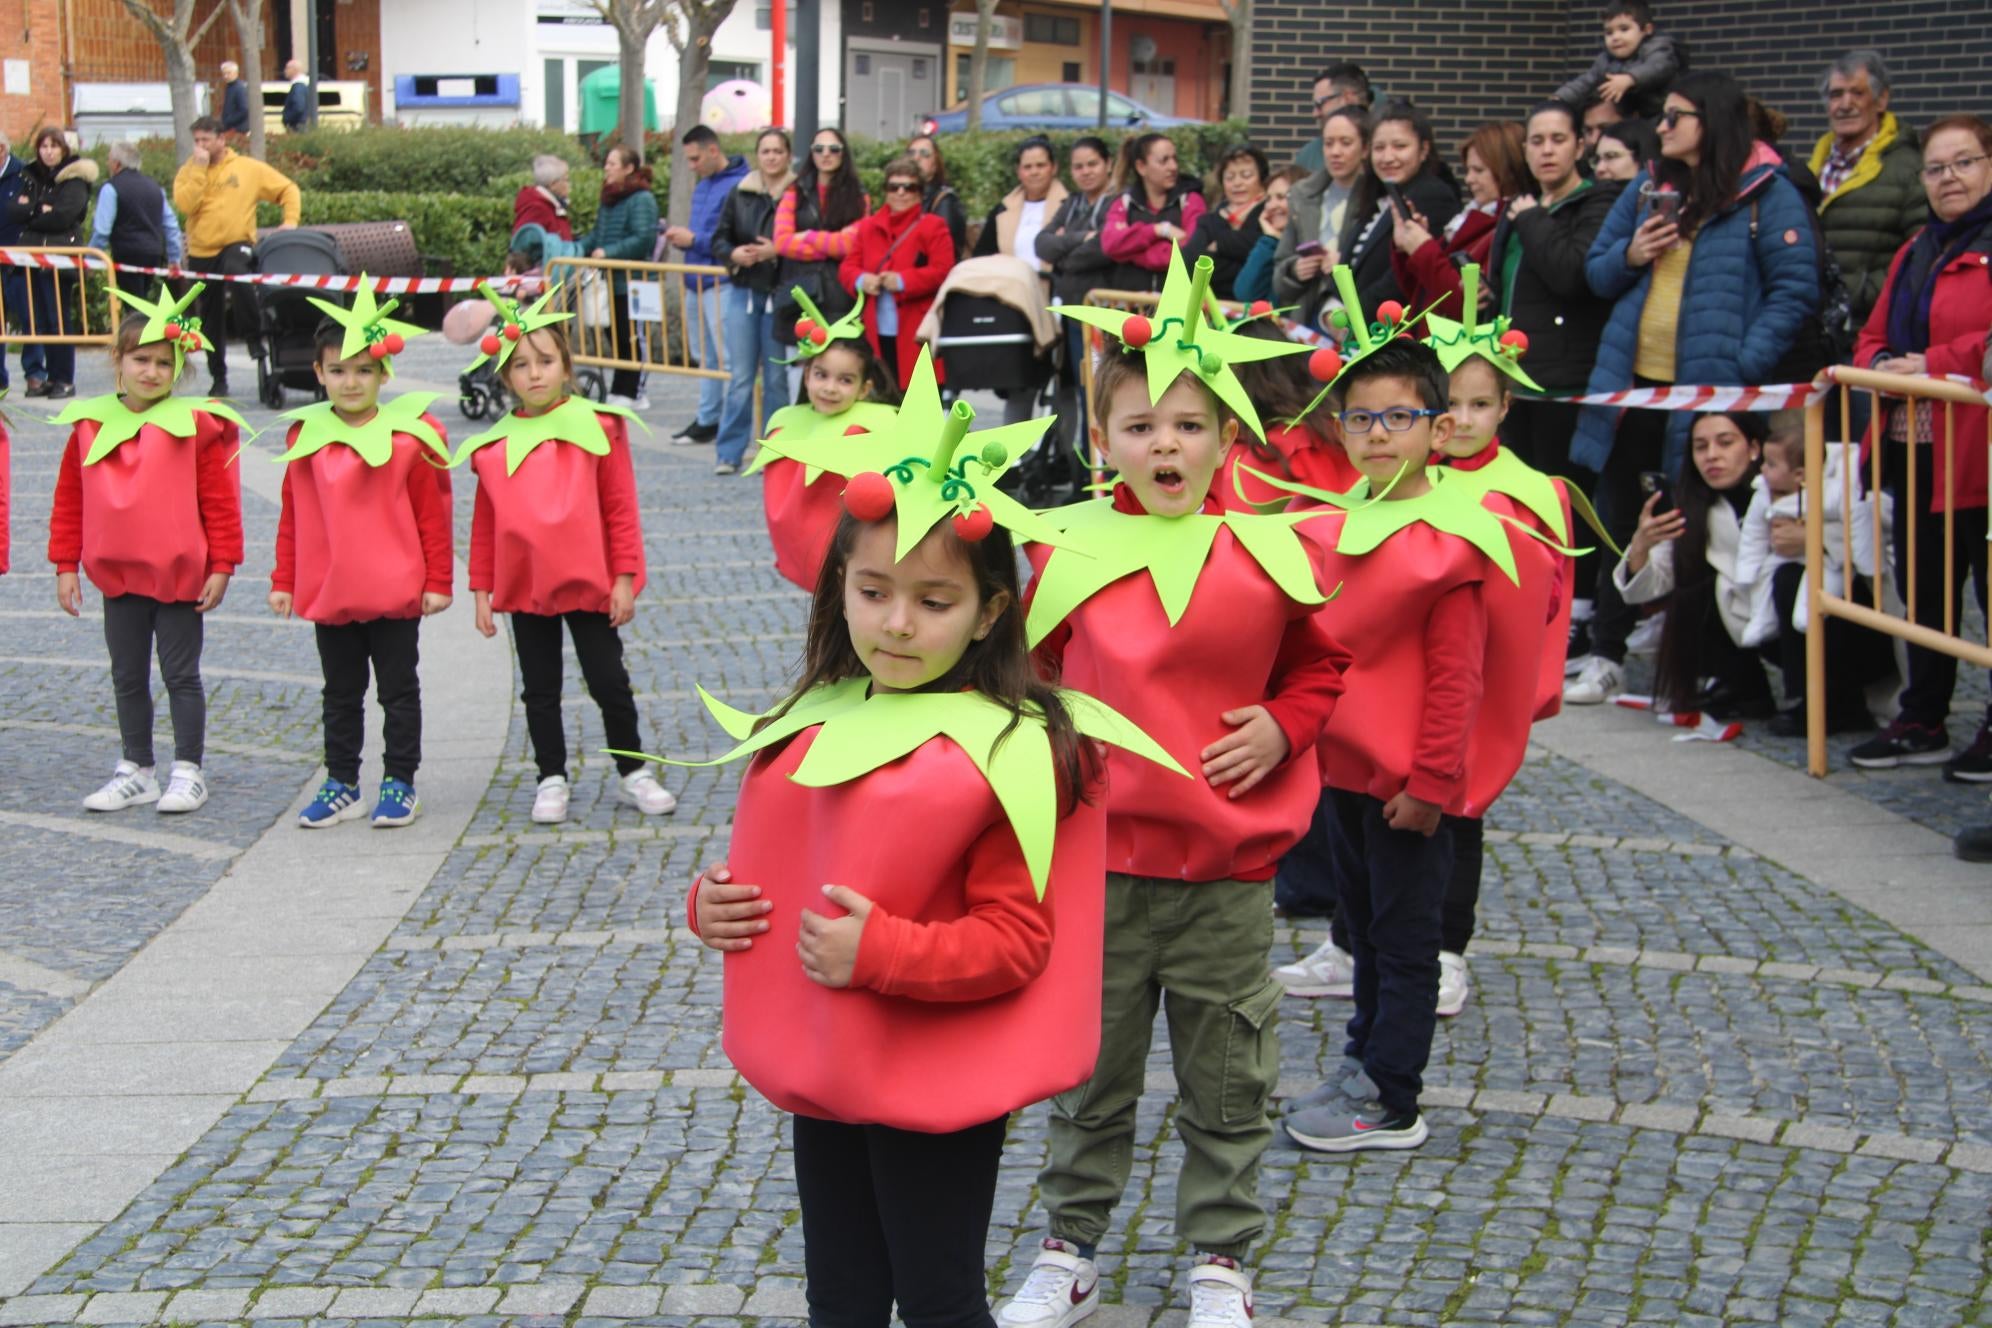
(335, 802)
(397, 806)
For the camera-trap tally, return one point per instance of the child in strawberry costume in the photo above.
(911, 901)
(364, 551)
(148, 505)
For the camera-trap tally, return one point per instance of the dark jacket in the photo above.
(1070, 242)
(138, 231)
(1228, 246)
(1874, 211)
(1551, 301)
(1367, 248)
(1751, 285)
(66, 189)
(297, 106)
(626, 228)
(235, 108)
(945, 203)
(10, 188)
(709, 196)
(748, 216)
(1653, 66)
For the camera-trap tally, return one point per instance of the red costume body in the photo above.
(357, 542)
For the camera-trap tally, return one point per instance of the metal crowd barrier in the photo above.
(667, 333)
(1908, 394)
(59, 306)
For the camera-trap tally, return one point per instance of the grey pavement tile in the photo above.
(123, 1307)
(41, 1309)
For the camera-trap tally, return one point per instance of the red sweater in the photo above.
(924, 258)
(156, 517)
(1429, 275)
(357, 542)
(553, 537)
(1531, 558)
(1299, 454)
(1240, 642)
(966, 1001)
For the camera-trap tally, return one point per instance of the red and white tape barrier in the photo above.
(379, 285)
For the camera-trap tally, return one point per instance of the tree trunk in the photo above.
(978, 63)
(1240, 14)
(248, 16)
(629, 97)
(693, 61)
(180, 84)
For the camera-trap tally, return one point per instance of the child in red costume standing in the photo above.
(911, 904)
(363, 476)
(1200, 625)
(555, 538)
(149, 506)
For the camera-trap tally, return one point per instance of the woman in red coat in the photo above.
(1426, 265)
(1931, 319)
(899, 259)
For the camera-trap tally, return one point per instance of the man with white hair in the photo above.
(297, 102)
(234, 100)
(134, 223)
(1870, 168)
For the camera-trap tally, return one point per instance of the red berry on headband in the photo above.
(855, 429)
(803, 327)
(1135, 332)
(1259, 308)
(172, 331)
(395, 343)
(974, 527)
(819, 336)
(377, 350)
(1324, 364)
(1390, 311)
(868, 497)
(513, 331)
(1516, 340)
(489, 345)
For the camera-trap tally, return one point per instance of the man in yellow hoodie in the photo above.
(218, 190)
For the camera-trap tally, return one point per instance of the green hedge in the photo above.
(469, 230)
(445, 160)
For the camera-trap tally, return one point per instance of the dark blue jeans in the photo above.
(1393, 885)
(1304, 885)
(14, 295)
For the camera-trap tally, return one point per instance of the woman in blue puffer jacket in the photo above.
(1714, 266)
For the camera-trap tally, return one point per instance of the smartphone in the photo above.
(1310, 249)
(1398, 200)
(1667, 206)
(1652, 482)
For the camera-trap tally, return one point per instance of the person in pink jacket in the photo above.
(1154, 215)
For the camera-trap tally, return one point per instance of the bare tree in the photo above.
(177, 36)
(248, 18)
(978, 62)
(634, 21)
(1239, 14)
(691, 27)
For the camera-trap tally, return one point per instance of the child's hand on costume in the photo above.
(212, 592)
(280, 603)
(433, 602)
(481, 599)
(1615, 87)
(69, 593)
(1250, 754)
(729, 915)
(622, 600)
(829, 946)
(1405, 812)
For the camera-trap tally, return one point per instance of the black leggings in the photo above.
(1463, 886)
(1932, 674)
(895, 1215)
(134, 626)
(599, 648)
(391, 649)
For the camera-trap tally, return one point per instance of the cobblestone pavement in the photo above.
(1691, 1087)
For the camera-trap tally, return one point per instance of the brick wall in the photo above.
(1470, 62)
(31, 30)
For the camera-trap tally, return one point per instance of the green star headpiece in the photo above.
(815, 334)
(1187, 339)
(916, 466)
(518, 323)
(1365, 337)
(369, 330)
(1498, 342)
(167, 319)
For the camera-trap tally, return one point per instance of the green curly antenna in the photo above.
(954, 428)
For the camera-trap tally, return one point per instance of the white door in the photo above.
(887, 90)
(1156, 91)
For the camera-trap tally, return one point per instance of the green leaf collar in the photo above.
(804, 424)
(118, 423)
(572, 421)
(321, 426)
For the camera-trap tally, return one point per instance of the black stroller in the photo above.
(286, 321)
(985, 343)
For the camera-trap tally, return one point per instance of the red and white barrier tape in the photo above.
(1778, 396)
(379, 285)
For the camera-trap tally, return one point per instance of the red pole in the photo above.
(778, 20)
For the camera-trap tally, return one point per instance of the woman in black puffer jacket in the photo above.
(54, 195)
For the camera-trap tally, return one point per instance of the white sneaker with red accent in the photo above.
(1328, 971)
(1220, 1294)
(1063, 1288)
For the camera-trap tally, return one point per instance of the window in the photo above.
(999, 71)
(1035, 104)
(556, 94)
(1051, 29)
(764, 17)
(865, 12)
(919, 67)
(727, 71)
(1086, 105)
(861, 64)
(1069, 71)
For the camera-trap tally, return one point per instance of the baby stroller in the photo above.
(480, 393)
(991, 341)
(286, 321)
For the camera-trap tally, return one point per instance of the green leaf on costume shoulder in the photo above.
(572, 421)
(1452, 508)
(1096, 719)
(118, 424)
(1512, 477)
(803, 429)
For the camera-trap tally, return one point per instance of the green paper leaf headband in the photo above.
(1365, 336)
(1187, 341)
(369, 330)
(168, 320)
(1498, 342)
(815, 334)
(518, 324)
(916, 467)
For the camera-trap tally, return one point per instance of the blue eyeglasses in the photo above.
(1395, 420)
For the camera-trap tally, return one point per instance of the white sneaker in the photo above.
(640, 789)
(550, 803)
(1596, 683)
(1061, 1290)
(1220, 1295)
(1329, 971)
(1645, 638)
(618, 399)
(641, 401)
(128, 786)
(1453, 984)
(186, 790)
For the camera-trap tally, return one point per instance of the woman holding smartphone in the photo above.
(1712, 269)
(1318, 208)
(1405, 182)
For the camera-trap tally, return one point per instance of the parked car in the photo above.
(1052, 106)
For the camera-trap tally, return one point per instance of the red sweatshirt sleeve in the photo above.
(938, 247)
(65, 518)
(219, 480)
(1455, 649)
(1307, 678)
(1435, 278)
(432, 526)
(616, 480)
(1003, 942)
(1120, 241)
(482, 558)
(283, 576)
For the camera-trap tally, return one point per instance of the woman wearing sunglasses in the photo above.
(1712, 266)
(813, 234)
(899, 256)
